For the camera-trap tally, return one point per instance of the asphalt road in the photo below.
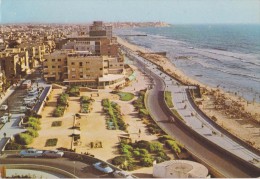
(225, 164)
(82, 170)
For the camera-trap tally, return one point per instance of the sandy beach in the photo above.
(244, 128)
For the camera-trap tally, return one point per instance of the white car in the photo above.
(3, 107)
(122, 174)
(31, 153)
(53, 153)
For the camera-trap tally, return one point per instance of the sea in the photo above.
(223, 56)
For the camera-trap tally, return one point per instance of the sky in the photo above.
(171, 11)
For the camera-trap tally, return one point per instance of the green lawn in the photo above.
(168, 98)
(124, 96)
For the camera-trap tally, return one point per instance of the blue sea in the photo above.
(224, 56)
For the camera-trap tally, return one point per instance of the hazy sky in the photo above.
(172, 11)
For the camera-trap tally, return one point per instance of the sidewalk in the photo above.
(8, 93)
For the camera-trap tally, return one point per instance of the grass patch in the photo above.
(51, 142)
(114, 119)
(175, 112)
(125, 96)
(56, 123)
(168, 98)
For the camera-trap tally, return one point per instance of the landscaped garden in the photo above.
(114, 116)
(32, 124)
(144, 114)
(125, 96)
(73, 91)
(62, 103)
(143, 153)
(85, 104)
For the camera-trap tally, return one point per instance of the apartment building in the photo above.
(82, 68)
(98, 29)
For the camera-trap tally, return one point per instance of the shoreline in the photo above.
(244, 128)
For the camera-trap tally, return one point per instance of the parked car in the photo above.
(103, 167)
(3, 107)
(122, 174)
(53, 153)
(24, 108)
(31, 153)
(4, 119)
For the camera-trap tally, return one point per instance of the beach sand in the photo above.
(245, 129)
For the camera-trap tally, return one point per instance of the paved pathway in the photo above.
(221, 162)
(194, 120)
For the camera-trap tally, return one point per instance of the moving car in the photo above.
(31, 153)
(122, 174)
(3, 107)
(53, 153)
(103, 167)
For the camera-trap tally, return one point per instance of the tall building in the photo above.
(98, 29)
(94, 60)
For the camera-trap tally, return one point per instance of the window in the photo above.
(53, 60)
(53, 66)
(80, 64)
(72, 63)
(58, 66)
(81, 76)
(73, 76)
(87, 68)
(59, 60)
(45, 67)
(101, 69)
(73, 69)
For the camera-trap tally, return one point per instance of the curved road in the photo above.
(82, 170)
(225, 164)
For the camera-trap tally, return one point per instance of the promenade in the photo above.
(194, 120)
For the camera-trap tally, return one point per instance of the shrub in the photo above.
(14, 146)
(51, 142)
(155, 147)
(146, 161)
(136, 153)
(34, 125)
(163, 155)
(119, 160)
(173, 145)
(34, 120)
(73, 91)
(24, 139)
(163, 138)
(143, 144)
(32, 132)
(105, 103)
(56, 123)
(63, 99)
(144, 153)
(59, 111)
(143, 113)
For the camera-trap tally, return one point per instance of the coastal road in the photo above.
(228, 165)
